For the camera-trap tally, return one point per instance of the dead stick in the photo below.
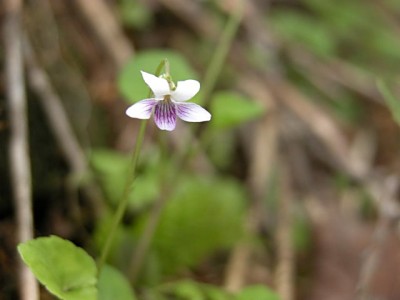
(18, 146)
(284, 276)
(107, 30)
(54, 110)
(60, 125)
(384, 191)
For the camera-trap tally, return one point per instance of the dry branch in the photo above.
(107, 30)
(284, 276)
(18, 147)
(384, 192)
(60, 125)
(55, 112)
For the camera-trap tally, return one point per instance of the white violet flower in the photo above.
(169, 103)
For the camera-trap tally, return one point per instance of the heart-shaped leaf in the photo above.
(66, 270)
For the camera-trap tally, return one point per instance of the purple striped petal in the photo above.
(141, 109)
(165, 115)
(191, 112)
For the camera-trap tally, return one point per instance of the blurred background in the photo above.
(292, 189)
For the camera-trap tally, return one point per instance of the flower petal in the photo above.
(165, 115)
(159, 86)
(191, 112)
(141, 109)
(185, 90)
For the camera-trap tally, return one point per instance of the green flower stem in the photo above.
(220, 54)
(125, 198)
(123, 204)
(146, 238)
(212, 73)
(209, 82)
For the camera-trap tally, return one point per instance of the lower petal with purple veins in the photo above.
(165, 115)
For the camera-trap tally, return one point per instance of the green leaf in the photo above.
(130, 82)
(222, 154)
(186, 290)
(192, 290)
(113, 285)
(304, 30)
(111, 170)
(258, 292)
(66, 270)
(134, 13)
(392, 103)
(204, 216)
(230, 109)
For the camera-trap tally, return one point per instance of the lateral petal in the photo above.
(141, 109)
(191, 112)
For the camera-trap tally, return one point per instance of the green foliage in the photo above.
(191, 290)
(308, 32)
(392, 103)
(134, 13)
(121, 237)
(221, 149)
(301, 234)
(205, 215)
(111, 170)
(230, 109)
(130, 81)
(66, 270)
(259, 292)
(113, 285)
(338, 29)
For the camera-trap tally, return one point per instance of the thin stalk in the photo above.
(124, 201)
(128, 185)
(210, 79)
(220, 54)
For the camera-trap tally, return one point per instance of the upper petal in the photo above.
(185, 90)
(141, 109)
(159, 86)
(191, 112)
(165, 115)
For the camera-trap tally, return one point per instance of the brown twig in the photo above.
(60, 125)
(55, 112)
(262, 151)
(107, 30)
(284, 276)
(18, 147)
(384, 193)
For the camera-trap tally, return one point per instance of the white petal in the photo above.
(165, 115)
(141, 109)
(159, 86)
(185, 90)
(191, 112)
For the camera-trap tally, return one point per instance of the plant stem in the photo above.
(125, 198)
(146, 238)
(128, 185)
(210, 79)
(219, 57)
